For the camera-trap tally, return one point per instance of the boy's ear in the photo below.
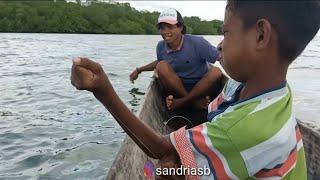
(263, 33)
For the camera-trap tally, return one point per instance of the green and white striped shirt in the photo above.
(255, 138)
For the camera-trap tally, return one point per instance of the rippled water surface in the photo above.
(50, 130)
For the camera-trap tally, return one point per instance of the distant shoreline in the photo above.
(97, 18)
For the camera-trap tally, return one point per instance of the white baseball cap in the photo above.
(170, 16)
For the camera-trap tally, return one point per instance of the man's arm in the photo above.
(213, 79)
(89, 75)
(207, 51)
(149, 67)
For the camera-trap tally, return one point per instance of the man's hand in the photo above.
(134, 75)
(88, 75)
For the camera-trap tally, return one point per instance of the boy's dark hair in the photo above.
(296, 22)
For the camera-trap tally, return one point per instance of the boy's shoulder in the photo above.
(272, 108)
(262, 129)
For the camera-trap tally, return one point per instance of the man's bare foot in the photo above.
(173, 103)
(202, 103)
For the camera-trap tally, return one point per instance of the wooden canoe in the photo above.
(130, 160)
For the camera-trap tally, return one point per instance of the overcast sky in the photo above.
(206, 10)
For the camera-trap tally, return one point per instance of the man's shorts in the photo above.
(188, 86)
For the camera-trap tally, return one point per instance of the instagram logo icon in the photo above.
(148, 170)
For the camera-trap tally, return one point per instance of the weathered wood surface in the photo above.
(130, 160)
(311, 143)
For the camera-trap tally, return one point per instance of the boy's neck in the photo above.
(263, 81)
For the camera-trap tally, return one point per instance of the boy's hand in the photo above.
(88, 75)
(169, 161)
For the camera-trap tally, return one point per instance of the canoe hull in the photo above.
(130, 159)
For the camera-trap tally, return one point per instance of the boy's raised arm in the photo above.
(89, 75)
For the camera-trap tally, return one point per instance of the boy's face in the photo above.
(237, 48)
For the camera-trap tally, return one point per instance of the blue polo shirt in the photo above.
(191, 61)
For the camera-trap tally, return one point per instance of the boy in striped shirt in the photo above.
(251, 132)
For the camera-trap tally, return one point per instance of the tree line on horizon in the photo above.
(98, 18)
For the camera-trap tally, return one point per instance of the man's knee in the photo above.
(162, 67)
(214, 74)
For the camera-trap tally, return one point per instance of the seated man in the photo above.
(251, 132)
(182, 61)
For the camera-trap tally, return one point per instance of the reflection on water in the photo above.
(49, 130)
(135, 93)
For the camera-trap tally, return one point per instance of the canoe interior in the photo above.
(130, 160)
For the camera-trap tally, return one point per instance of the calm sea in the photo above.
(49, 130)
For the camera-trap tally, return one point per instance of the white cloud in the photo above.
(206, 10)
